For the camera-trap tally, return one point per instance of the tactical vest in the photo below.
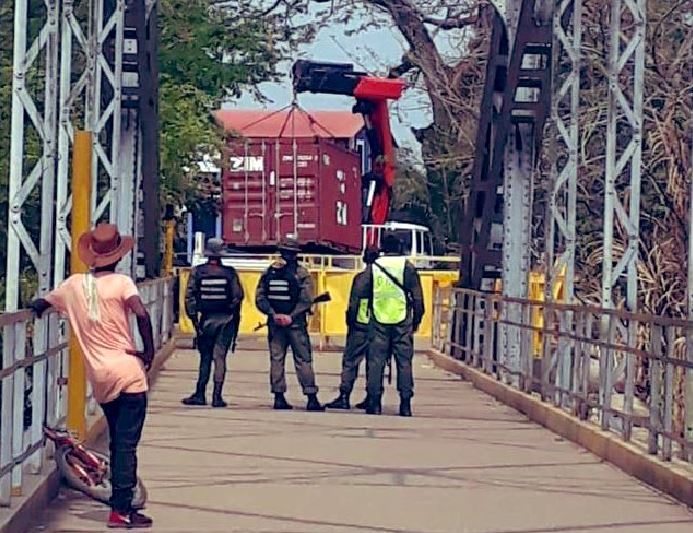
(389, 300)
(214, 289)
(282, 290)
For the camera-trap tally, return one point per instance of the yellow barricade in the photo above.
(329, 318)
(536, 292)
(184, 323)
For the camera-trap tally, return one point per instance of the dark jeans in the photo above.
(125, 416)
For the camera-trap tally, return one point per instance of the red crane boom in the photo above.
(372, 95)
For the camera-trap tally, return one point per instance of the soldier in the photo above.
(358, 320)
(285, 295)
(213, 303)
(397, 309)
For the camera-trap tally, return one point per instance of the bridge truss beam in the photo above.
(32, 176)
(624, 134)
(95, 62)
(561, 209)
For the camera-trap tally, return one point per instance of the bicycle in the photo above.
(87, 471)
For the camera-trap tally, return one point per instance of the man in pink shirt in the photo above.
(98, 305)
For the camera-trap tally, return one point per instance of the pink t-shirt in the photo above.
(110, 369)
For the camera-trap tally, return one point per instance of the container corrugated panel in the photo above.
(267, 196)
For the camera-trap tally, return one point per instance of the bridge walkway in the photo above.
(463, 464)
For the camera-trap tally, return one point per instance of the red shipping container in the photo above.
(267, 197)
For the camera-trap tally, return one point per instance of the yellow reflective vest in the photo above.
(389, 300)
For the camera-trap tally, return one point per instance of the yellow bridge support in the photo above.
(81, 222)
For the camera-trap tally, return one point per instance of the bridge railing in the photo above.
(629, 373)
(33, 381)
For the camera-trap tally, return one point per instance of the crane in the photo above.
(372, 95)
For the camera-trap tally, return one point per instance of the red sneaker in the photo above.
(132, 520)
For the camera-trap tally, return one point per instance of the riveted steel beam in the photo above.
(626, 75)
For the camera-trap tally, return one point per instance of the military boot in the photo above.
(362, 404)
(198, 398)
(313, 403)
(217, 400)
(280, 402)
(405, 407)
(374, 407)
(341, 402)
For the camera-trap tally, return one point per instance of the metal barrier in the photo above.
(327, 262)
(328, 321)
(630, 373)
(33, 381)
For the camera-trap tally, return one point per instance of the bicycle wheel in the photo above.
(101, 492)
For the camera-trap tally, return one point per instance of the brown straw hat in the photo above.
(103, 246)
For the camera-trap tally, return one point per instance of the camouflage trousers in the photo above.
(280, 339)
(214, 339)
(391, 341)
(354, 352)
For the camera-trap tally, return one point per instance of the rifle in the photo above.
(321, 298)
(235, 324)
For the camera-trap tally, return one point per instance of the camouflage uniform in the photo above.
(357, 341)
(213, 301)
(295, 335)
(396, 341)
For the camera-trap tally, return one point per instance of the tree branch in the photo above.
(452, 23)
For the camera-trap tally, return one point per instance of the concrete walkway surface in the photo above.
(463, 464)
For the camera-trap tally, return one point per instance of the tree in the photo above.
(451, 78)
(666, 157)
(207, 53)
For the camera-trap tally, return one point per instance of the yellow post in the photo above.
(81, 222)
(168, 248)
(170, 222)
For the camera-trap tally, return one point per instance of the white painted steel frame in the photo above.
(81, 108)
(25, 113)
(561, 212)
(562, 193)
(626, 74)
(517, 212)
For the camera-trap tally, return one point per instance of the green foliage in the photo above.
(206, 54)
(214, 51)
(187, 127)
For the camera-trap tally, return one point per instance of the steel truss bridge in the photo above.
(95, 62)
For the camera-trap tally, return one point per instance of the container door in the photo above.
(245, 198)
(274, 151)
(340, 198)
(296, 190)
